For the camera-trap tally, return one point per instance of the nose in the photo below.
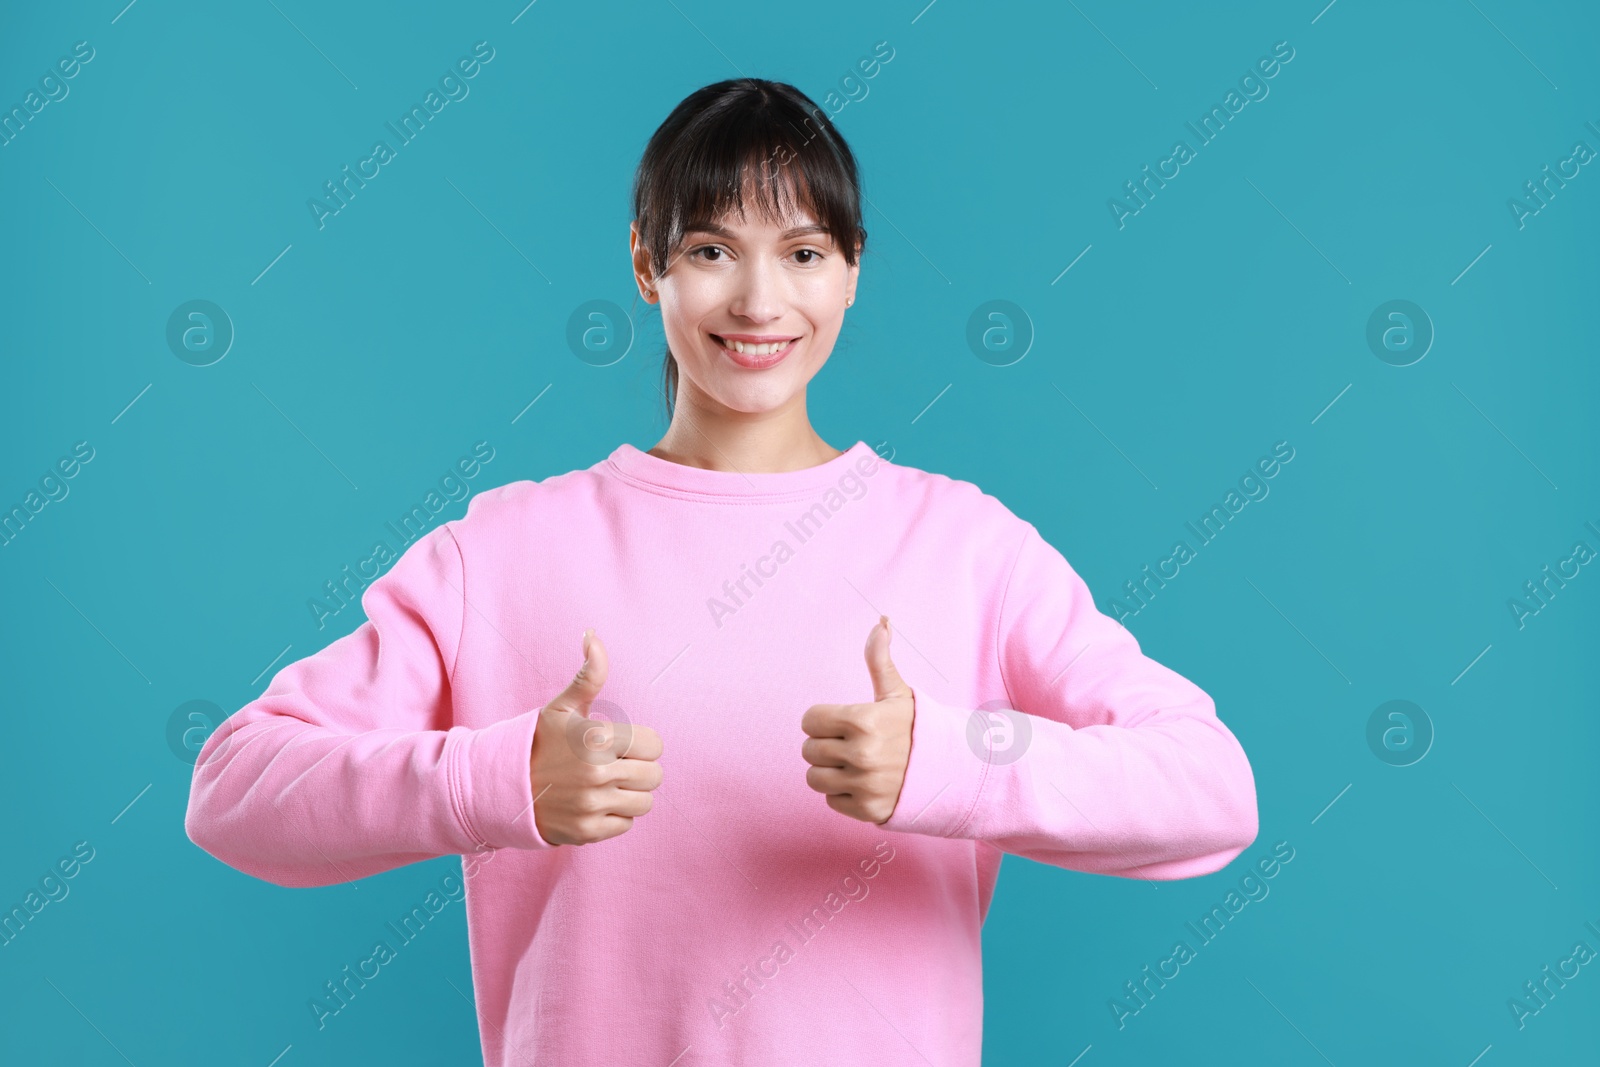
(759, 292)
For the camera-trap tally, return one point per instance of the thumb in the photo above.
(585, 685)
(886, 680)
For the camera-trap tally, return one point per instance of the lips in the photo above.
(754, 358)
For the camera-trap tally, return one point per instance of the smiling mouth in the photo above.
(755, 356)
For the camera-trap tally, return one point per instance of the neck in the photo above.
(769, 442)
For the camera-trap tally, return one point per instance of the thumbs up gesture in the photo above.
(858, 752)
(591, 778)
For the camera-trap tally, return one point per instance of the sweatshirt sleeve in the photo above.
(1118, 766)
(350, 763)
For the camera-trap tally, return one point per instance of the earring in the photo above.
(852, 300)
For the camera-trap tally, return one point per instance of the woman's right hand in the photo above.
(591, 778)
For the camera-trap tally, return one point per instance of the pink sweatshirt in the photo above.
(741, 921)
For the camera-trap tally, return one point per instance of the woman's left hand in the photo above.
(858, 752)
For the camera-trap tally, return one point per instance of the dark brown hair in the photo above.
(694, 170)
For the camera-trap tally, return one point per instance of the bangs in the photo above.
(745, 147)
(735, 147)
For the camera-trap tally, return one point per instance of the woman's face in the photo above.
(778, 288)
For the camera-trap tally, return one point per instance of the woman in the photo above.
(813, 887)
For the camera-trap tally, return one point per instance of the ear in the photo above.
(643, 276)
(851, 278)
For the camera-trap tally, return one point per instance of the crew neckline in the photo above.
(650, 472)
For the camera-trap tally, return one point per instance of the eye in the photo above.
(814, 253)
(705, 248)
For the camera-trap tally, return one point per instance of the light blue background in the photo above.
(1226, 316)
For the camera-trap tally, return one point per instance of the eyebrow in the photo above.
(718, 231)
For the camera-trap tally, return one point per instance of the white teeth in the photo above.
(752, 350)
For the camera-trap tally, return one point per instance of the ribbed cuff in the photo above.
(490, 783)
(944, 776)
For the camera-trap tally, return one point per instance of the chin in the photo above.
(753, 401)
